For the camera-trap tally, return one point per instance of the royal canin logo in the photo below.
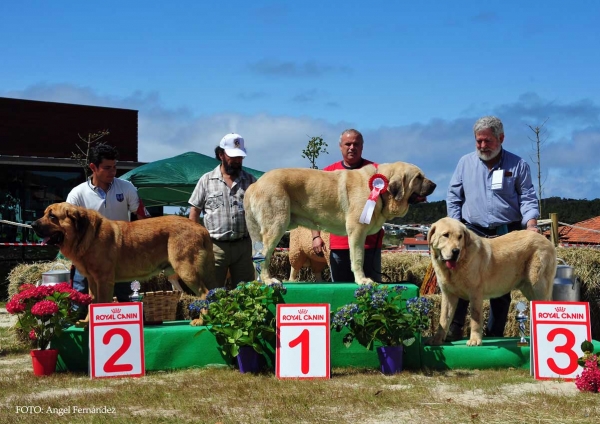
(116, 310)
(302, 311)
(560, 309)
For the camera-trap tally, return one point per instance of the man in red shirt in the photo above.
(351, 146)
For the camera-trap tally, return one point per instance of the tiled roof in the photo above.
(578, 235)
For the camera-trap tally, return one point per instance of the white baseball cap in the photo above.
(233, 145)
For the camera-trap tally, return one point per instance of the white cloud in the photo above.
(569, 155)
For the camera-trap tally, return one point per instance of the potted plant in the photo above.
(379, 318)
(589, 379)
(240, 319)
(43, 312)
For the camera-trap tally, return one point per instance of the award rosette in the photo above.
(378, 184)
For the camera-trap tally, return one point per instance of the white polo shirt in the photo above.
(120, 199)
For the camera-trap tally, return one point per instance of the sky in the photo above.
(412, 76)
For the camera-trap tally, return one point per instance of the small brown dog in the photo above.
(107, 251)
(301, 254)
(476, 268)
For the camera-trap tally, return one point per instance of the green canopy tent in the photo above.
(170, 182)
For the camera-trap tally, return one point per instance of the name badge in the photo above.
(497, 178)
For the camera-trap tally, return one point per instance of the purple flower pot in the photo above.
(390, 358)
(248, 360)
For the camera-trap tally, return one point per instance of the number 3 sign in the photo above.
(558, 329)
(302, 341)
(116, 340)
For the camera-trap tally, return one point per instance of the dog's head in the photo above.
(61, 223)
(407, 186)
(448, 239)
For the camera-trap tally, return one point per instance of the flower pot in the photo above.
(248, 360)
(390, 359)
(44, 361)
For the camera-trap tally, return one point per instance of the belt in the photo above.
(487, 232)
(230, 241)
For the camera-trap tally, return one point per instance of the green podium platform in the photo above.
(173, 345)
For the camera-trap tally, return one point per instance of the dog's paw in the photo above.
(474, 342)
(82, 323)
(434, 341)
(363, 281)
(272, 281)
(197, 322)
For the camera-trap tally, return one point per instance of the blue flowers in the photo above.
(380, 315)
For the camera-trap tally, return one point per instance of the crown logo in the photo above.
(560, 309)
(115, 310)
(302, 311)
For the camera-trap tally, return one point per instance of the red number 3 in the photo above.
(566, 348)
(111, 364)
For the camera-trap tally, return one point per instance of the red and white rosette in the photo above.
(378, 185)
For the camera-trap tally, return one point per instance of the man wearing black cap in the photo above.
(219, 196)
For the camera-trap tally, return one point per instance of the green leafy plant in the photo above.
(378, 315)
(240, 317)
(43, 311)
(314, 148)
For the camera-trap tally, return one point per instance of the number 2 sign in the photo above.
(302, 341)
(558, 329)
(116, 340)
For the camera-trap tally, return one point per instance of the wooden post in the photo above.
(554, 229)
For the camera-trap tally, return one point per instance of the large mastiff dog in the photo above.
(331, 201)
(107, 251)
(476, 268)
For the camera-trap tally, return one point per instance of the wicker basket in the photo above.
(160, 306)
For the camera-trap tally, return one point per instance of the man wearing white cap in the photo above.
(219, 196)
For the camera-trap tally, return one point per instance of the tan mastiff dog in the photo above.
(286, 198)
(107, 251)
(477, 268)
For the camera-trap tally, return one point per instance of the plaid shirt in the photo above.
(221, 206)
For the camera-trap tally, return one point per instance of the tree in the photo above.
(539, 140)
(82, 157)
(314, 148)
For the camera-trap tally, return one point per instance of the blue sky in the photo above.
(412, 76)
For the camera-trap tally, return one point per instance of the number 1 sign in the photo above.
(302, 341)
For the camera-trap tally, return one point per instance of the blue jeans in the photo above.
(121, 290)
(341, 270)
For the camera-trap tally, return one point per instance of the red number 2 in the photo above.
(566, 348)
(303, 340)
(111, 365)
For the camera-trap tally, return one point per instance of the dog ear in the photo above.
(396, 189)
(430, 234)
(79, 219)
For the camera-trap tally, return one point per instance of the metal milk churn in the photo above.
(566, 286)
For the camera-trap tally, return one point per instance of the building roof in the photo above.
(574, 235)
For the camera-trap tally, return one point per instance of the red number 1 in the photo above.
(566, 348)
(303, 340)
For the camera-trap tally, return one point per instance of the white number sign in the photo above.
(116, 340)
(302, 341)
(557, 331)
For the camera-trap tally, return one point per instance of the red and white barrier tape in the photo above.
(22, 244)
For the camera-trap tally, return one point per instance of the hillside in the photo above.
(569, 211)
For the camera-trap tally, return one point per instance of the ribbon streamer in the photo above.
(378, 185)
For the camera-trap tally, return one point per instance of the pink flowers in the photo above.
(44, 308)
(589, 380)
(44, 311)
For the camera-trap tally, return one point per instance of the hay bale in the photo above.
(404, 267)
(510, 330)
(31, 274)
